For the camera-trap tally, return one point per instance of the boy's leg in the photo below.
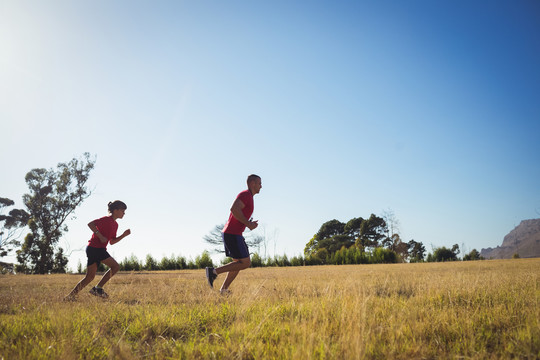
(90, 274)
(114, 267)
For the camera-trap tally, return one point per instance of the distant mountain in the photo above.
(524, 240)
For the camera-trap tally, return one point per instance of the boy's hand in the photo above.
(126, 233)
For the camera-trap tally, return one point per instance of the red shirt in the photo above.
(233, 226)
(107, 226)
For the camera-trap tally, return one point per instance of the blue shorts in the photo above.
(235, 246)
(96, 255)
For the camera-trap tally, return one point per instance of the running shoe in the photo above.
(99, 292)
(210, 276)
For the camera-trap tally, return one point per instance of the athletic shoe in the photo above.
(70, 298)
(99, 292)
(210, 276)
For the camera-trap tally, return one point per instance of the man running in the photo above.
(235, 244)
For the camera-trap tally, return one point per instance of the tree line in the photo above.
(343, 256)
(54, 194)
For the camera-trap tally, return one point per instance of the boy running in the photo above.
(104, 230)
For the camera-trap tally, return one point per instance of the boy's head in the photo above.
(117, 205)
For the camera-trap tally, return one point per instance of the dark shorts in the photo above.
(96, 255)
(235, 246)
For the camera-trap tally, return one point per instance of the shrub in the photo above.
(130, 264)
(204, 260)
(256, 260)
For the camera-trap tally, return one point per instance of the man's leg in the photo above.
(232, 269)
(231, 275)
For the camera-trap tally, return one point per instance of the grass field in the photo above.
(459, 310)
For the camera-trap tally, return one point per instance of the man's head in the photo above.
(254, 183)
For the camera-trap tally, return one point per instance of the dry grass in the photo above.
(480, 310)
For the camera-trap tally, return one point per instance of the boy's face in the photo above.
(119, 213)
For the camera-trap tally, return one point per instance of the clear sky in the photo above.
(430, 109)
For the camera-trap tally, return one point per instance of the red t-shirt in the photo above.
(107, 226)
(234, 226)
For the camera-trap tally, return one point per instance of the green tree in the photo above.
(416, 251)
(334, 235)
(473, 255)
(151, 263)
(11, 226)
(372, 231)
(204, 260)
(331, 237)
(60, 262)
(79, 268)
(131, 264)
(54, 195)
(445, 254)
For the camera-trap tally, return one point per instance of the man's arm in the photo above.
(236, 210)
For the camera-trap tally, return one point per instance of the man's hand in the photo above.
(253, 224)
(126, 233)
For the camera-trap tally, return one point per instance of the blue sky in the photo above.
(430, 109)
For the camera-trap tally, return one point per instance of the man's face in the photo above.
(256, 186)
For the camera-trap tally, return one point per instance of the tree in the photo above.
(416, 251)
(473, 255)
(11, 226)
(325, 238)
(399, 247)
(334, 235)
(445, 254)
(151, 263)
(372, 231)
(60, 262)
(204, 260)
(214, 238)
(353, 228)
(391, 221)
(54, 195)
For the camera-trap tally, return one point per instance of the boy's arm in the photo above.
(115, 240)
(95, 230)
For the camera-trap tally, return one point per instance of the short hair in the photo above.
(252, 177)
(115, 205)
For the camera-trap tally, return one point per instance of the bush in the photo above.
(204, 260)
(383, 256)
(256, 260)
(151, 263)
(473, 255)
(297, 261)
(444, 254)
(130, 264)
